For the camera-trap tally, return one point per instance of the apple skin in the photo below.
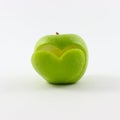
(60, 59)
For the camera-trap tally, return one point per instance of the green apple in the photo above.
(60, 58)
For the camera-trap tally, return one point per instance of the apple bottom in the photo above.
(66, 69)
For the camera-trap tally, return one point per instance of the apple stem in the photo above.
(57, 33)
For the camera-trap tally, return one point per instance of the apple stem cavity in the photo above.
(57, 33)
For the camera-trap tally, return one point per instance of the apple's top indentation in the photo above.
(57, 33)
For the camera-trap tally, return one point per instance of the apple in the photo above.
(60, 58)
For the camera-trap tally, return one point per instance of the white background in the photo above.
(24, 95)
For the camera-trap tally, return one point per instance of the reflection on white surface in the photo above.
(89, 83)
(30, 97)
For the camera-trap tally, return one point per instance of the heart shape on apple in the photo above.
(60, 59)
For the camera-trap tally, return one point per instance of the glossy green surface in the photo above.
(60, 59)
